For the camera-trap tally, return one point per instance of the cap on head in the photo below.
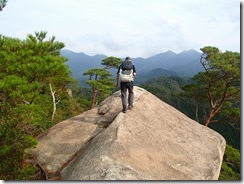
(128, 58)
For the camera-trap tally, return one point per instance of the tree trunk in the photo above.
(94, 98)
(196, 112)
(211, 115)
(54, 101)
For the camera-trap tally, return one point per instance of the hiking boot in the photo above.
(130, 107)
(124, 111)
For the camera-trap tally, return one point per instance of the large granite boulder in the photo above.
(153, 141)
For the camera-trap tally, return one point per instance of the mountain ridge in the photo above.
(185, 63)
(137, 57)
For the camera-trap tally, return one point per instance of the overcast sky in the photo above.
(136, 28)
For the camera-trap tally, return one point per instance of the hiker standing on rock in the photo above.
(126, 73)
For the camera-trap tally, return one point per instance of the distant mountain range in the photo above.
(186, 63)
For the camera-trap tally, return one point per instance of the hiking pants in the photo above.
(123, 87)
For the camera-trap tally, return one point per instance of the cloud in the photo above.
(136, 28)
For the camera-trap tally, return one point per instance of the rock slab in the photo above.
(153, 141)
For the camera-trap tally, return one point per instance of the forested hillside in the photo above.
(143, 77)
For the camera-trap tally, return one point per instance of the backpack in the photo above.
(126, 71)
(126, 75)
(126, 65)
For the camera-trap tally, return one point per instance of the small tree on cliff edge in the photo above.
(2, 4)
(100, 79)
(218, 86)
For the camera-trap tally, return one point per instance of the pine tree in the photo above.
(100, 79)
(217, 89)
(28, 68)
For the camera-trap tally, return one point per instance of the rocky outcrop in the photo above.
(153, 141)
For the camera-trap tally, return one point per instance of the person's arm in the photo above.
(117, 77)
(134, 71)
(117, 80)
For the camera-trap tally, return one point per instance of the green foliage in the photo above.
(83, 96)
(27, 68)
(227, 173)
(2, 4)
(231, 134)
(231, 164)
(111, 62)
(13, 142)
(27, 173)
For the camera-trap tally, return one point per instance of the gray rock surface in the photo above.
(153, 141)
